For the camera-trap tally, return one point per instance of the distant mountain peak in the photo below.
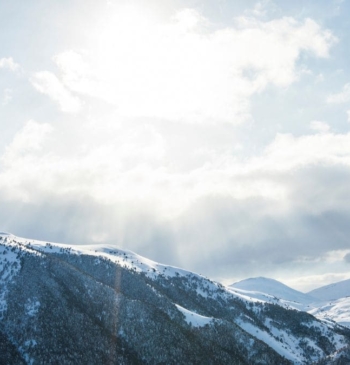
(265, 285)
(256, 281)
(272, 291)
(332, 291)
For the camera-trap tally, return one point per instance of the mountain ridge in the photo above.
(73, 305)
(332, 291)
(272, 287)
(321, 306)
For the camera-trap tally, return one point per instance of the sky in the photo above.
(209, 135)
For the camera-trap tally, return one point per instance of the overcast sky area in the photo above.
(210, 135)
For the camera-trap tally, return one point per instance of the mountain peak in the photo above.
(261, 284)
(271, 290)
(255, 281)
(333, 291)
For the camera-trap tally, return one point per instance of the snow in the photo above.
(32, 307)
(9, 266)
(123, 257)
(30, 343)
(287, 348)
(316, 302)
(23, 350)
(194, 319)
(333, 311)
(332, 291)
(251, 290)
(272, 291)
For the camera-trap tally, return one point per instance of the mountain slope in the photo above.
(332, 291)
(334, 302)
(272, 291)
(335, 310)
(89, 305)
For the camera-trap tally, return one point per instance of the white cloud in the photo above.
(319, 126)
(342, 97)
(261, 8)
(25, 163)
(287, 152)
(47, 83)
(133, 162)
(27, 141)
(189, 19)
(7, 97)
(124, 167)
(9, 63)
(184, 70)
(132, 169)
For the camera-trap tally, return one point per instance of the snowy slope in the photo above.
(193, 318)
(318, 302)
(332, 291)
(126, 258)
(334, 310)
(62, 296)
(9, 266)
(254, 289)
(334, 302)
(272, 291)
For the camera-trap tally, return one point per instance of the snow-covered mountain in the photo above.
(272, 291)
(334, 310)
(102, 305)
(334, 302)
(329, 303)
(332, 291)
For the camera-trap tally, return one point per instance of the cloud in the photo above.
(226, 218)
(189, 19)
(310, 282)
(319, 126)
(287, 152)
(27, 140)
(47, 83)
(262, 9)
(135, 161)
(153, 159)
(9, 63)
(184, 69)
(23, 161)
(342, 97)
(7, 96)
(221, 237)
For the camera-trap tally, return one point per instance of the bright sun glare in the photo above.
(150, 67)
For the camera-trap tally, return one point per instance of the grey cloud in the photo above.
(81, 220)
(218, 236)
(242, 240)
(257, 237)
